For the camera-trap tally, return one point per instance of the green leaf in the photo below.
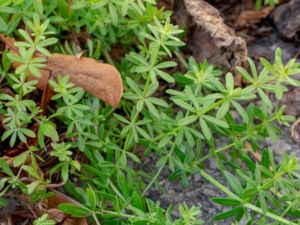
(20, 159)
(245, 74)
(5, 168)
(223, 109)
(27, 132)
(215, 121)
(227, 214)
(48, 129)
(137, 201)
(133, 85)
(152, 109)
(263, 203)
(121, 118)
(241, 111)
(92, 197)
(123, 185)
(74, 210)
(32, 186)
(165, 76)
(234, 183)
(226, 201)
(78, 5)
(187, 120)
(264, 97)
(163, 142)
(267, 65)
(205, 129)
(113, 13)
(184, 105)
(8, 10)
(3, 25)
(164, 65)
(133, 157)
(26, 36)
(229, 82)
(265, 159)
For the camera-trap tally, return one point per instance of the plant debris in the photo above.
(234, 47)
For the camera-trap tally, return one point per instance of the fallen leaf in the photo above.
(99, 79)
(58, 198)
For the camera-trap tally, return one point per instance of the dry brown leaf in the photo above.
(99, 79)
(56, 215)
(206, 16)
(58, 198)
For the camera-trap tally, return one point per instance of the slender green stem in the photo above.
(246, 205)
(159, 171)
(96, 219)
(148, 81)
(268, 214)
(217, 184)
(116, 190)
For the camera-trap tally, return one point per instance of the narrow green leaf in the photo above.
(215, 121)
(227, 214)
(226, 201)
(234, 183)
(74, 210)
(205, 130)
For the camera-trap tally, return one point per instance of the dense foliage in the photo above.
(176, 116)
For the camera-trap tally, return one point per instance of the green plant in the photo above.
(94, 143)
(43, 220)
(260, 3)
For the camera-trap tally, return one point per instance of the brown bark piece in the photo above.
(233, 48)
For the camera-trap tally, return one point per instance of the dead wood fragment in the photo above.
(287, 18)
(233, 48)
(99, 79)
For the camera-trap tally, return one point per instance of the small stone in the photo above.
(279, 146)
(197, 178)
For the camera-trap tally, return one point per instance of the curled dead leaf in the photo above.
(99, 79)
